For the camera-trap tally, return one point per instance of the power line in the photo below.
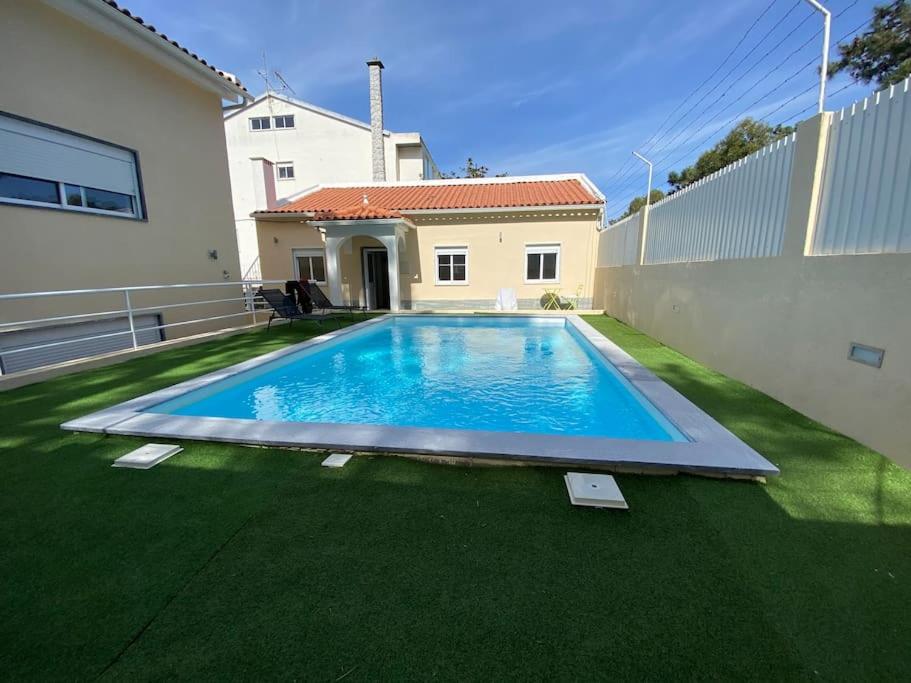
(698, 87)
(774, 89)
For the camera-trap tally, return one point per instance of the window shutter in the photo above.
(31, 150)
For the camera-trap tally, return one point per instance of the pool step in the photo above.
(594, 490)
(146, 457)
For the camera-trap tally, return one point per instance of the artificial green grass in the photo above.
(228, 561)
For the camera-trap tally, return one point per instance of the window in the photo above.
(542, 263)
(50, 168)
(286, 121)
(285, 170)
(452, 265)
(260, 123)
(310, 265)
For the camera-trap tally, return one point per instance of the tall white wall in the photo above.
(619, 244)
(866, 206)
(784, 323)
(737, 212)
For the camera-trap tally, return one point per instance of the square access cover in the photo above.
(594, 490)
(336, 460)
(147, 456)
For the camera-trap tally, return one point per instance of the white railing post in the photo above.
(129, 307)
(250, 294)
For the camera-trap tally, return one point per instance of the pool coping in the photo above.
(712, 449)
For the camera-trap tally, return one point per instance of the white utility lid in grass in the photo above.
(147, 456)
(337, 460)
(594, 490)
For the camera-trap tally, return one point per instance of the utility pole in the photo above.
(824, 67)
(648, 192)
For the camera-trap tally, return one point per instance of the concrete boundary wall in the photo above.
(785, 324)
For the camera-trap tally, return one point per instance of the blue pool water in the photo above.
(535, 375)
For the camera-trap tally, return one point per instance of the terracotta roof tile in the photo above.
(356, 212)
(468, 195)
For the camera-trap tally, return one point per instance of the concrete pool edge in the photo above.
(712, 449)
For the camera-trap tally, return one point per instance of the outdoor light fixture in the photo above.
(213, 254)
(868, 355)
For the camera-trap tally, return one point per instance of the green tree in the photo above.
(882, 54)
(745, 138)
(638, 203)
(471, 170)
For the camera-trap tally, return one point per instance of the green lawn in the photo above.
(242, 562)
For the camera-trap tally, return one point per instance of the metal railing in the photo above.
(246, 288)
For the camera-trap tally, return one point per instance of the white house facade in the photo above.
(280, 146)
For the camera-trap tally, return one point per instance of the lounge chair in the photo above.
(283, 306)
(322, 302)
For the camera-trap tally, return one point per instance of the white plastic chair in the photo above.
(506, 300)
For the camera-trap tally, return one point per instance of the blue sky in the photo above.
(531, 87)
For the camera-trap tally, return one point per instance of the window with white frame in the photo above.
(452, 265)
(285, 170)
(542, 263)
(310, 265)
(260, 123)
(47, 167)
(284, 121)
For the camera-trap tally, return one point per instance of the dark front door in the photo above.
(376, 278)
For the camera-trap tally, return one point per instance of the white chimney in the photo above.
(378, 150)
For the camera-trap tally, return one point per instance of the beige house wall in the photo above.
(70, 76)
(496, 256)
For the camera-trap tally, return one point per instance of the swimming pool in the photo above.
(523, 387)
(532, 375)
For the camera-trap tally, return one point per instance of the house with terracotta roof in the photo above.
(439, 244)
(291, 146)
(110, 135)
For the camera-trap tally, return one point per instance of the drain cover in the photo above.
(594, 490)
(337, 460)
(147, 456)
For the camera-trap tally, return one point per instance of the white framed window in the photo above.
(451, 265)
(310, 265)
(284, 170)
(542, 263)
(46, 167)
(260, 123)
(284, 121)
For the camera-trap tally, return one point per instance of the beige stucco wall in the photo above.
(496, 256)
(62, 73)
(784, 326)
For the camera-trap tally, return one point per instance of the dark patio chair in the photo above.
(322, 302)
(283, 306)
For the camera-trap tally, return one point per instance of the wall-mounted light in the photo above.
(275, 240)
(868, 355)
(213, 254)
(225, 275)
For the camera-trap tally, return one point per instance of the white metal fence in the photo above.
(619, 244)
(35, 342)
(866, 191)
(737, 212)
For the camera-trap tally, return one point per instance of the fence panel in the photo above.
(619, 245)
(865, 206)
(735, 213)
